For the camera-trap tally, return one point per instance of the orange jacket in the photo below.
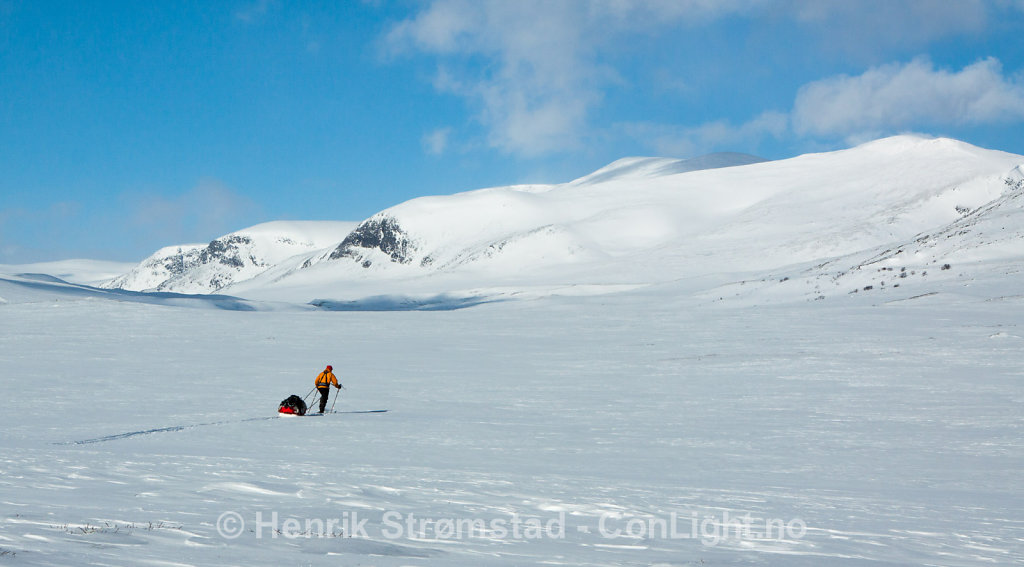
(326, 379)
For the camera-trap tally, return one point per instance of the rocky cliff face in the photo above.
(379, 232)
(154, 273)
(195, 269)
(229, 259)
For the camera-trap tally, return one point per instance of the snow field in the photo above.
(815, 361)
(883, 434)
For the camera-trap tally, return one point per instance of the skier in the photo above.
(324, 380)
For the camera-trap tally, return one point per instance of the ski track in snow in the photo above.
(129, 434)
(889, 430)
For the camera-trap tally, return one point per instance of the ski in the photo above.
(363, 411)
(316, 414)
(350, 411)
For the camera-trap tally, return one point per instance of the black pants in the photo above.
(324, 393)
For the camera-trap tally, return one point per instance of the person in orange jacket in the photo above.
(324, 381)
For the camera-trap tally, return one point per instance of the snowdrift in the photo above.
(18, 289)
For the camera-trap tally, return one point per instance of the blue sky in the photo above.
(128, 126)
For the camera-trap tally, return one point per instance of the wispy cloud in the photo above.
(535, 71)
(544, 74)
(140, 223)
(207, 210)
(436, 142)
(899, 96)
(25, 233)
(535, 96)
(253, 11)
(884, 100)
(9, 247)
(868, 27)
(675, 140)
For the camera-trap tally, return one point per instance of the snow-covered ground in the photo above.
(814, 361)
(865, 429)
(88, 272)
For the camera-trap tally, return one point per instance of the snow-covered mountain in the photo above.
(908, 203)
(643, 221)
(206, 268)
(281, 248)
(654, 426)
(653, 167)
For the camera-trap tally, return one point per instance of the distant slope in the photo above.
(819, 220)
(979, 252)
(641, 221)
(638, 167)
(199, 268)
(276, 250)
(89, 272)
(19, 289)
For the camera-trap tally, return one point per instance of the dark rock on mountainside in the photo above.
(184, 260)
(381, 233)
(226, 251)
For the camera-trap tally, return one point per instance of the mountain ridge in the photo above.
(208, 268)
(642, 221)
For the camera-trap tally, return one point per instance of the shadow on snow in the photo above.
(48, 284)
(443, 302)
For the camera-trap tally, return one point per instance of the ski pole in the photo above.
(336, 396)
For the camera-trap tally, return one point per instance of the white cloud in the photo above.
(542, 73)
(896, 97)
(536, 94)
(535, 71)
(436, 142)
(884, 100)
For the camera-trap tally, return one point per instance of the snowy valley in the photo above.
(805, 362)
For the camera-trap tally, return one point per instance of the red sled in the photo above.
(292, 405)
